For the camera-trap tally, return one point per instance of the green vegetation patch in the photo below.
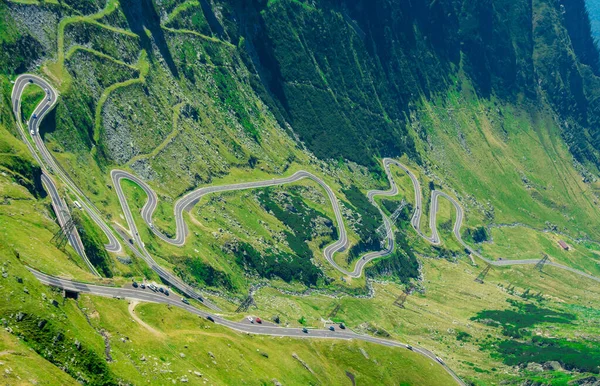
(32, 96)
(522, 316)
(205, 273)
(367, 222)
(283, 265)
(301, 219)
(571, 355)
(402, 265)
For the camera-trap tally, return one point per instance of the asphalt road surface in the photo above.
(50, 166)
(147, 295)
(188, 201)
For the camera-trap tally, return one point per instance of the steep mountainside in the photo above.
(493, 105)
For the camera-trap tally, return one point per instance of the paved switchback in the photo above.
(188, 201)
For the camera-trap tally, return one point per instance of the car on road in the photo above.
(47, 91)
(210, 318)
(408, 346)
(153, 287)
(439, 359)
(161, 290)
(30, 80)
(304, 330)
(331, 328)
(250, 319)
(342, 326)
(134, 284)
(34, 116)
(151, 226)
(143, 286)
(166, 292)
(32, 132)
(184, 300)
(258, 320)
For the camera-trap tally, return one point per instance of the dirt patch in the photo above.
(131, 309)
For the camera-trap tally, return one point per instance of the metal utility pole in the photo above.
(62, 235)
(399, 302)
(540, 264)
(334, 312)
(249, 301)
(482, 274)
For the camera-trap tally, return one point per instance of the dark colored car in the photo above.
(134, 284)
(331, 328)
(342, 326)
(161, 290)
(167, 292)
(210, 318)
(304, 330)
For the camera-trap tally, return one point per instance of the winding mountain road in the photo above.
(258, 329)
(187, 202)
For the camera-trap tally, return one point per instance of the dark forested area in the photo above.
(345, 74)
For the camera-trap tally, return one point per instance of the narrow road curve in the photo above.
(188, 201)
(435, 238)
(50, 166)
(258, 329)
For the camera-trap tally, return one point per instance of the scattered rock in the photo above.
(552, 365)
(535, 367)
(276, 382)
(143, 358)
(197, 373)
(364, 353)
(587, 381)
(182, 355)
(296, 357)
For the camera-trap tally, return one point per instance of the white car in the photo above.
(250, 319)
(439, 360)
(151, 226)
(32, 132)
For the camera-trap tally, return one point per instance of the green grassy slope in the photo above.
(195, 106)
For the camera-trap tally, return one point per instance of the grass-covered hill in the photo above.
(493, 102)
